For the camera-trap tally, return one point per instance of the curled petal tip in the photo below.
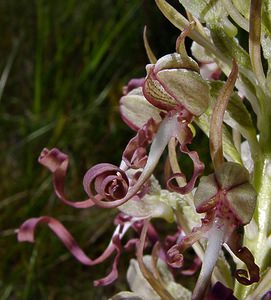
(106, 184)
(174, 257)
(43, 153)
(252, 274)
(26, 231)
(52, 159)
(198, 170)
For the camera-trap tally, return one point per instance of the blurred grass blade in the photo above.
(7, 292)
(6, 71)
(101, 48)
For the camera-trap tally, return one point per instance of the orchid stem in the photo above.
(259, 246)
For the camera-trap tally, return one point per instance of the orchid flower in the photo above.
(165, 99)
(228, 200)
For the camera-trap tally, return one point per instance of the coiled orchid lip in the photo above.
(26, 234)
(109, 181)
(123, 223)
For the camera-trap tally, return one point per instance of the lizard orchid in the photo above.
(230, 206)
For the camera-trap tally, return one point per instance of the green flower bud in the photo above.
(231, 174)
(242, 200)
(205, 194)
(175, 81)
(229, 192)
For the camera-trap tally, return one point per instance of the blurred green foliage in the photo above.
(62, 68)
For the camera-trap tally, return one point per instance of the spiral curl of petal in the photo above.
(106, 184)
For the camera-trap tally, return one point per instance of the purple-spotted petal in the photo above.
(57, 162)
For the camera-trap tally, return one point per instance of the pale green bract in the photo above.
(139, 285)
(210, 12)
(157, 203)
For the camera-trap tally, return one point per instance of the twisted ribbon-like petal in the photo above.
(57, 162)
(198, 169)
(243, 276)
(26, 234)
(135, 153)
(175, 253)
(185, 137)
(108, 181)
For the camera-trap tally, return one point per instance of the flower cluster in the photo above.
(162, 108)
